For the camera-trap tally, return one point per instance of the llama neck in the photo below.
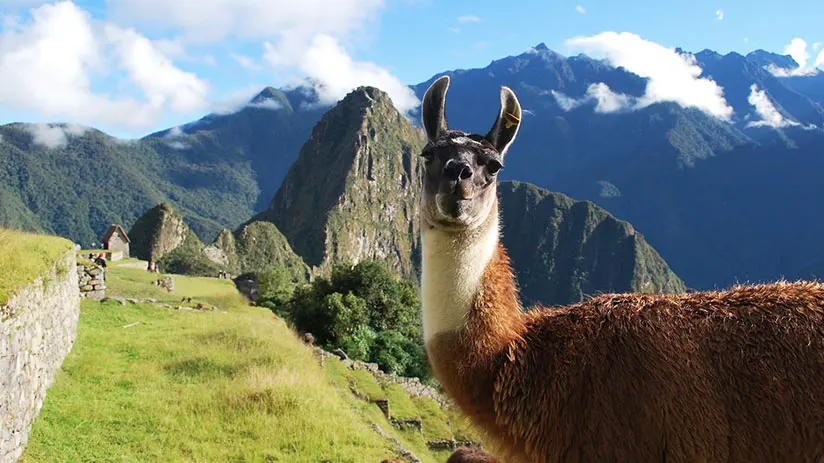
(467, 282)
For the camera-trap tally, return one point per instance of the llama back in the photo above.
(736, 375)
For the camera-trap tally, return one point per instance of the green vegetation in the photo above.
(189, 259)
(24, 257)
(218, 172)
(363, 309)
(565, 250)
(187, 385)
(148, 383)
(352, 192)
(261, 246)
(437, 423)
(402, 406)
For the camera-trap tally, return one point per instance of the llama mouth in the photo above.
(454, 206)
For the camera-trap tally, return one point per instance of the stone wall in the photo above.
(91, 279)
(37, 331)
(412, 386)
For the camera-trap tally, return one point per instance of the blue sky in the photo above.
(134, 66)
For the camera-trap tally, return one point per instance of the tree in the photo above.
(368, 312)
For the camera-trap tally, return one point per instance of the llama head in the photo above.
(461, 169)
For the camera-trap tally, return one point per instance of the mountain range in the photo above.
(720, 200)
(352, 195)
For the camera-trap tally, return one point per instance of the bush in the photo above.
(359, 344)
(368, 312)
(187, 260)
(276, 286)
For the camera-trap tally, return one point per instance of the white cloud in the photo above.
(672, 76)
(468, 19)
(606, 101)
(770, 117)
(302, 39)
(816, 46)
(746, 40)
(567, 103)
(54, 65)
(719, 14)
(454, 30)
(173, 49)
(245, 62)
(178, 145)
(48, 66)
(240, 99)
(580, 9)
(819, 61)
(214, 20)
(334, 73)
(236, 100)
(157, 78)
(175, 132)
(797, 49)
(266, 104)
(53, 135)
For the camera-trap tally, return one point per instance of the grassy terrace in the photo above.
(24, 256)
(212, 386)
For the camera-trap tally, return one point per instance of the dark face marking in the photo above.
(460, 179)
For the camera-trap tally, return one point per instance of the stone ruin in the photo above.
(91, 279)
(167, 283)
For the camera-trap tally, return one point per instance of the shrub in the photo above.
(276, 285)
(188, 261)
(368, 312)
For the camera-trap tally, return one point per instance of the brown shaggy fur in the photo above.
(736, 375)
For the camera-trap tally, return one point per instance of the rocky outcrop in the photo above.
(38, 327)
(352, 193)
(91, 279)
(564, 249)
(412, 386)
(223, 251)
(260, 245)
(158, 232)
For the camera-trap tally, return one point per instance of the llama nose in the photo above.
(457, 170)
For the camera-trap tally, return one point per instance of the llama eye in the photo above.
(428, 156)
(493, 166)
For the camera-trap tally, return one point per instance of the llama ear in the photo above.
(432, 110)
(508, 121)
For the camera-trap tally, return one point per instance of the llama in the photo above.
(734, 375)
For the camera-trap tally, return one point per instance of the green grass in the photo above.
(193, 386)
(433, 418)
(24, 257)
(212, 386)
(400, 405)
(137, 283)
(361, 381)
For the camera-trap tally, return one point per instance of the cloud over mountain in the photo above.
(770, 117)
(49, 63)
(797, 49)
(334, 73)
(673, 76)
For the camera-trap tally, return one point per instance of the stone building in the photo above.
(115, 239)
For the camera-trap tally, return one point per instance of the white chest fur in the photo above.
(453, 264)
